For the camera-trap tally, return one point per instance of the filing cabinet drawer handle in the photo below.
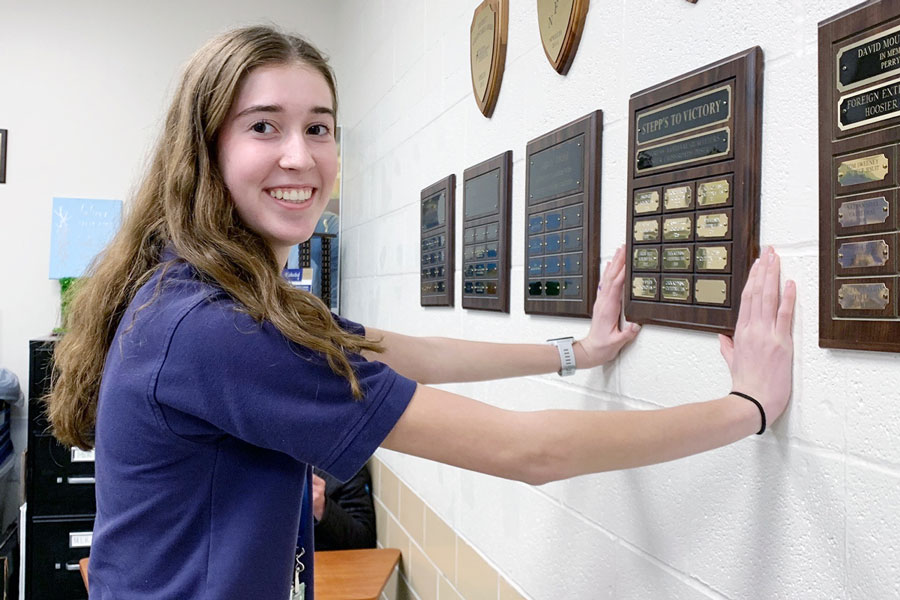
(79, 480)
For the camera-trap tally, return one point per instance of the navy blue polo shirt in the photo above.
(207, 425)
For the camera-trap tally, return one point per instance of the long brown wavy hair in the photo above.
(183, 202)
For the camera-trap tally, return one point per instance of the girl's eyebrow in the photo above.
(277, 108)
(322, 110)
(266, 108)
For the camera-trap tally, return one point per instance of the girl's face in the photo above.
(277, 153)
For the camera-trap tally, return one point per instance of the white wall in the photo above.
(83, 90)
(810, 510)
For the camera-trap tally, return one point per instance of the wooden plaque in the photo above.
(859, 149)
(436, 244)
(486, 216)
(562, 219)
(3, 134)
(561, 23)
(693, 194)
(487, 52)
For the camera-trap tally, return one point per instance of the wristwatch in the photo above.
(566, 355)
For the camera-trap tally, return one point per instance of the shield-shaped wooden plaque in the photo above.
(487, 51)
(561, 23)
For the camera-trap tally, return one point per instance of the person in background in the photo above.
(209, 386)
(344, 512)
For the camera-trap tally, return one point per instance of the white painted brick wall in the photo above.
(808, 511)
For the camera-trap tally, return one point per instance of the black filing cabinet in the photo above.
(59, 490)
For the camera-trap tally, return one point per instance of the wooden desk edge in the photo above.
(371, 567)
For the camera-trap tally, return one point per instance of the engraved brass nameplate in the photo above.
(871, 211)
(863, 296)
(646, 259)
(676, 259)
(646, 201)
(712, 258)
(712, 226)
(646, 231)
(695, 112)
(711, 291)
(870, 105)
(643, 287)
(869, 59)
(863, 170)
(712, 193)
(695, 148)
(676, 288)
(677, 229)
(855, 255)
(678, 197)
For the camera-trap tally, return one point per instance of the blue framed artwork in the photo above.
(80, 229)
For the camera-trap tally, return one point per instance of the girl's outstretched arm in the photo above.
(542, 446)
(447, 360)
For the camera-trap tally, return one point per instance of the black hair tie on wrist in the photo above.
(762, 413)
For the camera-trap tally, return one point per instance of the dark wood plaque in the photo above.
(486, 216)
(561, 23)
(562, 219)
(693, 194)
(437, 236)
(487, 52)
(3, 134)
(859, 149)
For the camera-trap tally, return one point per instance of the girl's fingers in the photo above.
(786, 310)
(759, 282)
(770, 289)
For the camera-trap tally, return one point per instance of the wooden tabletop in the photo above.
(353, 574)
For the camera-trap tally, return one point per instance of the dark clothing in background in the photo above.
(348, 521)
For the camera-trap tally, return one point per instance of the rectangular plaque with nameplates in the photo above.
(486, 216)
(694, 182)
(562, 218)
(436, 243)
(859, 130)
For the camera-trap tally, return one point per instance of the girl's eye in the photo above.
(262, 127)
(318, 130)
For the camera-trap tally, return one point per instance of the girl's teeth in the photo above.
(292, 195)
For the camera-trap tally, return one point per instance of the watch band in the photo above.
(566, 355)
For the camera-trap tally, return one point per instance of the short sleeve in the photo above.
(247, 380)
(349, 326)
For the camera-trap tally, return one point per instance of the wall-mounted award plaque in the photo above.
(859, 146)
(487, 52)
(561, 23)
(562, 219)
(437, 233)
(693, 193)
(3, 155)
(486, 215)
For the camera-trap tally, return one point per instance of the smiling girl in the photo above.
(209, 386)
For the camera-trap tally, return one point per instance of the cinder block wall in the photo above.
(436, 562)
(810, 510)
